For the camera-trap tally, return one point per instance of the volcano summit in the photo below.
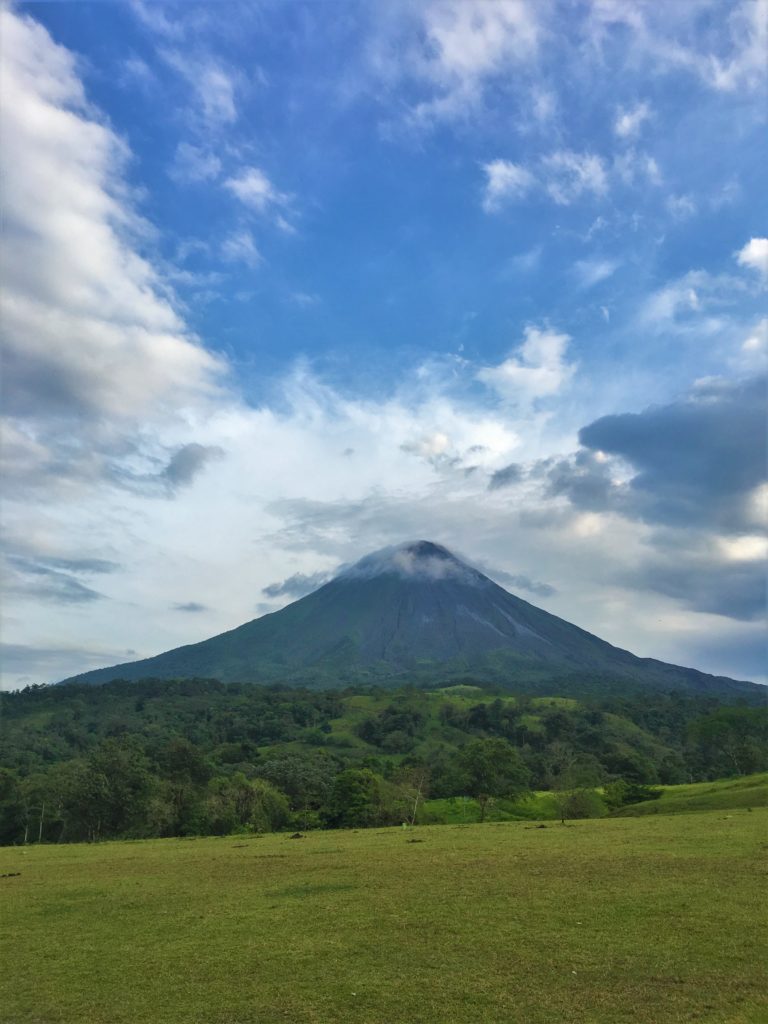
(411, 613)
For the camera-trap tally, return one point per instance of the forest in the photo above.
(198, 757)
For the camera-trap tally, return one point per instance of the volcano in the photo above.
(413, 613)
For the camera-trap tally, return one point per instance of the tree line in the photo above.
(197, 757)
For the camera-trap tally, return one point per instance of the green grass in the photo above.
(746, 791)
(651, 919)
(723, 794)
(462, 810)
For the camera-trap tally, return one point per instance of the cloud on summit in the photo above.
(298, 585)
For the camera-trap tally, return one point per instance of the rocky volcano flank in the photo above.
(411, 612)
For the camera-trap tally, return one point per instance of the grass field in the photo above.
(647, 919)
(722, 794)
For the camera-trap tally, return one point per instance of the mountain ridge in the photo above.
(412, 610)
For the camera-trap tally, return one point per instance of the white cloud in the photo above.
(728, 60)
(452, 50)
(153, 17)
(538, 370)
(192, 164)
(89, 325)
(213, 86)
(629, 121)
(524, 262)
(239, 247)
(505, 181)
(688, 302)
(753, 351)
(747, 66)
(755, 256)
(136, 72)
(758, 341)
(472, 40)
(543, 105)
(591, 272)
(744, 548)
(304, 299)
(681, 207)
(254, 190)
(633, 167)
(570, 175)
(563, 175)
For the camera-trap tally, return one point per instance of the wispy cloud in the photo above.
(681, 207)
(213, 85)
(239, 247)
(564, 176)
(592, 271)
(630, 120)
(193, 164)
(256, 192)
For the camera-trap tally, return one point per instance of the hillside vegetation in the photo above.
(197, 757)
(606, 922)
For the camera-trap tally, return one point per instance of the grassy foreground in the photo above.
(648, 919)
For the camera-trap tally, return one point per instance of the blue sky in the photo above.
(288, 282)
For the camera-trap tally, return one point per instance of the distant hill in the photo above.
(416, 613)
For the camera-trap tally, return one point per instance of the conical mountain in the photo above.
(416, 613)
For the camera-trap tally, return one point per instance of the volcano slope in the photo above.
(416, 613)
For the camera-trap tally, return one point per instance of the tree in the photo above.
(306, 780)
(13, 812)
(734, 740)
(355, 800)
(492, 768)
(413, 781)
(237, 803)
(187, 772)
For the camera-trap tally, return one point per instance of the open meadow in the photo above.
(655, 919)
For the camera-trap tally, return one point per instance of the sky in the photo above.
(286, 282)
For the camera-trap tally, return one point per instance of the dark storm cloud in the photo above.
(187, 462)
(695, 460)
(583, 479)
(297, 585)
(734, 589)
(505, 477)
(690, 469)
